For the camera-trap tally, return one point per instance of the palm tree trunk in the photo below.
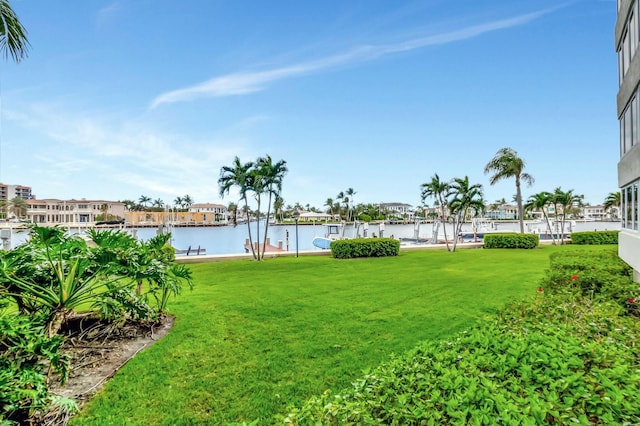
(444, 223)
(266, 226)
(258, 226)
(55, 322)
(519, 202)
(546, 218)
(246, 205)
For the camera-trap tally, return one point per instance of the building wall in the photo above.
(627, 40)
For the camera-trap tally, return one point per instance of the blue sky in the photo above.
(119, 99)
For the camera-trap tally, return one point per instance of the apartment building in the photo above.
(626, 44)
(8, 192)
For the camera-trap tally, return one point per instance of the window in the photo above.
(630, 205)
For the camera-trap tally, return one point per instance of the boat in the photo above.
(334, 231)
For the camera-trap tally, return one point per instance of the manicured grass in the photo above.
(254, 337)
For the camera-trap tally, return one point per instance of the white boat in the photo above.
(333, 232)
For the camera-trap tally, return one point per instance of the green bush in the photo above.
(601, 275)
(595, 237)
(548, 361)
(26, 355)
(511, 240)
(365, 247)
(364, 217)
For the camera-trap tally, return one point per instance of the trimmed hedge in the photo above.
(595, 237)
(365, 247)
(511, 240)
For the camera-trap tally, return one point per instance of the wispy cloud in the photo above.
(242, 83)
(127, 155)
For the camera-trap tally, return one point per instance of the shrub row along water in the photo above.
(567, 355)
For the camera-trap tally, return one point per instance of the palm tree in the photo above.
(4, 204)
(278, 204)
(233, 207)
(144, 200)
(178, 202)
(238, 174)
(567, 201)
(466, 197)
(187, 201)
(350, 192)
(270, 176)
(438, 190)
(18, 207)
(504, 165)
(541, 201)
(612, 200)
(339, 198)
(158, 203)
(329, 205)
(13, 36)
(129, 204)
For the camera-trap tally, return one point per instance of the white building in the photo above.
(72, 212)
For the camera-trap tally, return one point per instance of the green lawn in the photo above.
(254, 337)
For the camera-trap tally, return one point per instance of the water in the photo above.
(231, 240)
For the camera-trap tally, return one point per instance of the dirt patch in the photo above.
(98, 350)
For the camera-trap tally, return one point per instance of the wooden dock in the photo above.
(269, 248)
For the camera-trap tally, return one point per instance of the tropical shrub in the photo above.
(56, 274)
(511, 240)
(26, 357)
(365, 247)
(601, 275)
(595, 237)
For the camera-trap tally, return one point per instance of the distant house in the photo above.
(72, 212)
(219, 211)
(313, 216)
(503, 212)
(400, 210)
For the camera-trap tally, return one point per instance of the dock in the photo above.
(269, 248)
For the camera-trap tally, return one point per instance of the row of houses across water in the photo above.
(86, 212)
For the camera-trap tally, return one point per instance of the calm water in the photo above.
(230, 240)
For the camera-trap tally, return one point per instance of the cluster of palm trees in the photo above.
(457, 200)
(146, 204)
(258, 179)
(561, 203)
(345, 198)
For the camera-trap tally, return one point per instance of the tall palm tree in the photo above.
(339, 198)
(612, 200)
(350, 192)
(239, 175)
(271, 175)
(567, 201)
(329, 205)
(465, 198)
(504, 165)
(438, 190)
(13, 36)
(144, 200)
(541, 201)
